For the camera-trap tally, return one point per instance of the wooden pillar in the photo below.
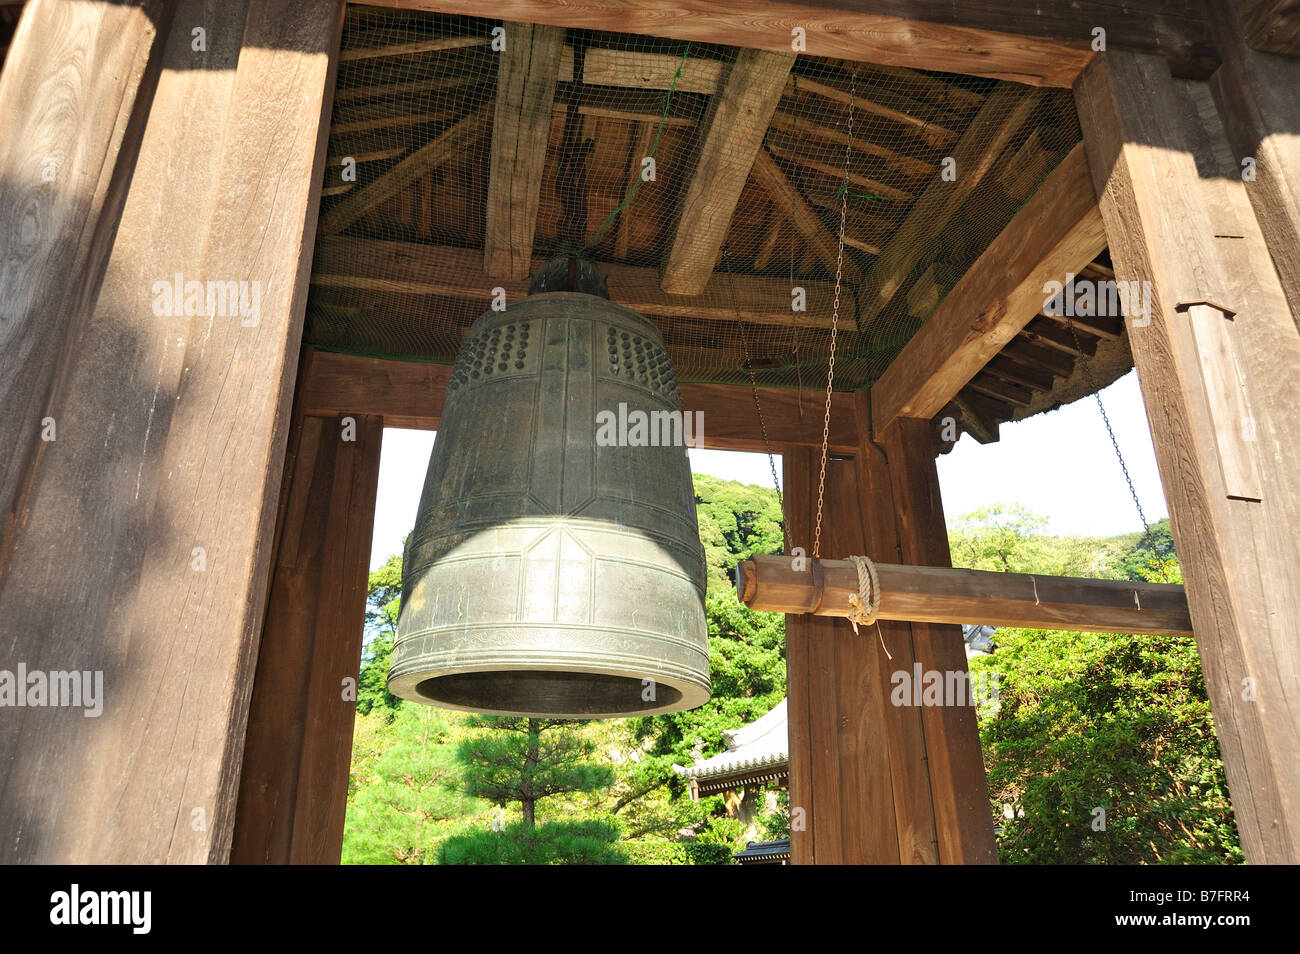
(1219, 364)
(841, 792)
(293, 788)
(76, 82)
(144, 549)
(877, 782)
(958, 784)
(1256, 96)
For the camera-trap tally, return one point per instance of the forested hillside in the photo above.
(1086, 721)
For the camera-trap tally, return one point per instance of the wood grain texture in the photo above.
(76, 81)
(1269, 25)
(527, 72)
(1171, 195)
(1059, 230)
(958, 786)
(803, 218)
(414, 269)
(1004, 112)
(914, 820)
(450, 143)
(1048, 45)
(172, 437)
(293, 785)
(731, 136)
(839, 753)
(1255, 94)
(409, 394)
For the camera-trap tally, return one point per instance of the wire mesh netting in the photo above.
(709, 184)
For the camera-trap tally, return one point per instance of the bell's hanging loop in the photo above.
(555, 567)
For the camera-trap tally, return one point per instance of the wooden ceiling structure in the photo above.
(188, 492)
(461, 187)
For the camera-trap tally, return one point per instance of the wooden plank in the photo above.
(958, 786)
(68, 102)
(643, 136)
(529, 67)
(1170, 194)
(446, 146)
(165, 448)
(802, 217)
(731, 136)
(931, 594)
(1269, 25)
(409, 394)
(1004, 112)
(427, 45)
(1059, 230)
(414, 269)
(1255, 94)
(293, 786)
(997, 39)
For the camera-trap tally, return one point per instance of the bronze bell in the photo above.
(553, 571)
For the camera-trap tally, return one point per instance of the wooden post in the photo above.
(293, 788)
(76, 82)
(1256, 96)
(955, 762)
(1219, 363)
(144, 551)
(841, 791)
(876, 782)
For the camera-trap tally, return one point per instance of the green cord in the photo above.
(609, 219)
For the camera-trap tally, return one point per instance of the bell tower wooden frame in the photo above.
(199, 467)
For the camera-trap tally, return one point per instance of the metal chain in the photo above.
(1096, 393)
(835, 320)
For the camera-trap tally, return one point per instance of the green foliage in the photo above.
(728, 833)
(589, 842)
(677, 853)
(736, 521)
(775, 825)
(402, 791)
(508, 759)
(383, 600)
(1089, 721)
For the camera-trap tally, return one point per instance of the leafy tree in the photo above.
(517, 759)
(403, 791)
(383, 600)
(589, 842)
(1154, 546)
(736, 520)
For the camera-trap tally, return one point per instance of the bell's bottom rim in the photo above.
(694, 691)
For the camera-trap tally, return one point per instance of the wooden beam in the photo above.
(146, 550)
(414, 269)
(1059, 230)
(930, 594)
(803, 217)
(446, 146)
(732, 135)
(1004, 112)
(529, 67)
(70, 92)
(294, 780)
(997, 39)
(1255, 94)
(1178, 216)
(409, 394)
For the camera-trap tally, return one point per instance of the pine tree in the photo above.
(515, 759)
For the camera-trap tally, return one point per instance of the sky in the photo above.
(1060, 464)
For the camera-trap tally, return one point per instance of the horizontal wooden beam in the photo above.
(931, 594)
(410, 394)
(1046, 45)
(413, 269)
(1059, 230)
